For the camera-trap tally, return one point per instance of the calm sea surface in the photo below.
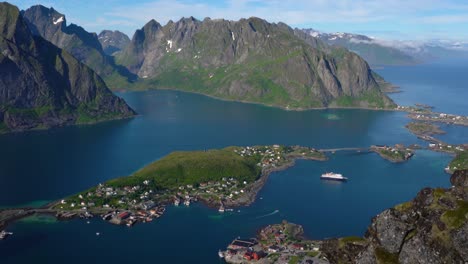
(45, 165)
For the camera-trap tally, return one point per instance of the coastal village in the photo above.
(280, 243)
(142, 203)
(440, 117)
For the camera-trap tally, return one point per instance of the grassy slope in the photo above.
(460, 162)
(194, 167)
(197, 80)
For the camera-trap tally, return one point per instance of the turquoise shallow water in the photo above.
(47, 165)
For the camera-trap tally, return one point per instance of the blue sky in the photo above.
(388, 19)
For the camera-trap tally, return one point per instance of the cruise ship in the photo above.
(333, 176)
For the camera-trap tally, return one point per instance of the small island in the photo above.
(397, 153)
(424, 128)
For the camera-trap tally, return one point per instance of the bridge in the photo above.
(344, 149)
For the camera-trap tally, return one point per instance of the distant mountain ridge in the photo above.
(250, 60)
(373, 52)
(52, 26)
(43, 86)
(113, 41)
(386, 52)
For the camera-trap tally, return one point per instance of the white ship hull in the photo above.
(333, 177)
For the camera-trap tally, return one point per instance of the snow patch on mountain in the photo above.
(58, 20)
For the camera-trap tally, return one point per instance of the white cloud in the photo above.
(407, 16)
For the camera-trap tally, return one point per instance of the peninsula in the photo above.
(219, 178)
(398, 153)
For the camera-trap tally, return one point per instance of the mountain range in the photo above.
(250, 60)
(44, 86)
(47, 82)
(113, 41)
(379, 52)
(84, 46)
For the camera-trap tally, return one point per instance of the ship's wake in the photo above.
(270, 214)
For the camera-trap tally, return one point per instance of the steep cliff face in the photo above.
(52, 26)
(433, 228)
(43, 86)
(250, 60)
(113, 41)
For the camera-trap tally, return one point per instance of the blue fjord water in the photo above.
(47, 165)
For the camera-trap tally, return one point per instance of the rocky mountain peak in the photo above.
(236, 51)
(48, 21)
(51, 25)
(113, 41)
(43, 86)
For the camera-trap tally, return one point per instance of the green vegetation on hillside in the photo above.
(193, 168)
(250, 60)
(371, 99)
(456, 218)
(384, 257)
(460, 162)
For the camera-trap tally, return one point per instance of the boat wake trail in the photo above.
(270, 214)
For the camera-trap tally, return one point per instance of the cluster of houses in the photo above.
(227, 188)
(448, 148)
(132, 204)
(441, 117)
(270, 155)
(273, 243)
(130, 218)
(398, 151)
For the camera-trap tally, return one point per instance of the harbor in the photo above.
(280, 243)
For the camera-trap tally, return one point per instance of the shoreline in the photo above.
(262, 104)
(11, 215)
(35, 129)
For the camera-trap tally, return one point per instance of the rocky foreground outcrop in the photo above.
(432, 228)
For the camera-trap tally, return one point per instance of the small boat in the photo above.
(333, 176)
(5, 234)
(107, 217)
(97, 233)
